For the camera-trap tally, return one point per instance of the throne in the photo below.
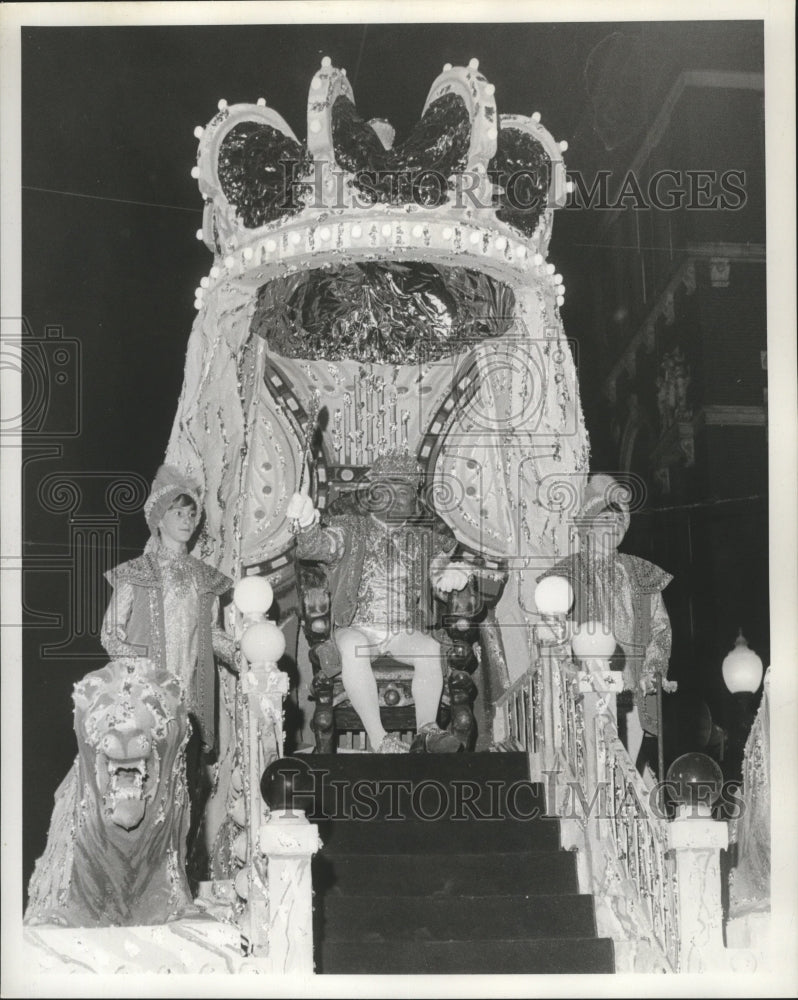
(457, 621)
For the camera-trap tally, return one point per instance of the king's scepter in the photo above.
(310, 431)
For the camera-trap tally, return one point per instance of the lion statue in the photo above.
(116, 847)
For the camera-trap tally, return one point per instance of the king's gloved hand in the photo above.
(451, 579)
(300, 509)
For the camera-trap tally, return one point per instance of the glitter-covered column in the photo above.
(289, 841)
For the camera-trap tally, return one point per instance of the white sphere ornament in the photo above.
(237, 811)
(554, 595)
(198, 132)
(261, 102)
(742, 668)
(241, 847)
(263, 643)
(237, 781)
(326, 61)
(253, 595)
(473, 63)
(241, 884)
(222, 104)
(199, 234)
(592, 639)
(195, 172)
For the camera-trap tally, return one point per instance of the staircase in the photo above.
(430, 865)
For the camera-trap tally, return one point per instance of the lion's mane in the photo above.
(116, 847)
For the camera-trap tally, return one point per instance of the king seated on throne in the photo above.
(389, 555)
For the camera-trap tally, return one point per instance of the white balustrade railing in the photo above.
(635, 835)
(655, 880)
(517, 716)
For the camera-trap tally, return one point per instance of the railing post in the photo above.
(696, 842)
(265, 687)
(289, 841)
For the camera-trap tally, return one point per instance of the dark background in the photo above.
(110, 259)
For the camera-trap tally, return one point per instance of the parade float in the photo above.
(366, 298)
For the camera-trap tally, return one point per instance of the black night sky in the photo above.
(110, 212)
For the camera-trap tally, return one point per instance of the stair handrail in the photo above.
(656, 880)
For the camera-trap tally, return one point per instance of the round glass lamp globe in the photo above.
(263, 643)
(253, 595)
(554, 595)
(288, 783)
(695, 780)
(742, 668)
(592, 639)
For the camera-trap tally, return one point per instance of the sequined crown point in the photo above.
(468, 186)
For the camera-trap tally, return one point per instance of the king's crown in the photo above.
(468, 186)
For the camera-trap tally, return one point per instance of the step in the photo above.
(482, 873)
(445, 836)
(425, 799)
(480, 786)
(410, 918)
(495, 957)
(482, 766)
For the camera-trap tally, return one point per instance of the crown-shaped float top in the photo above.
(466, 182)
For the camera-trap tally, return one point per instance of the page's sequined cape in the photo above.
(145, 629)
